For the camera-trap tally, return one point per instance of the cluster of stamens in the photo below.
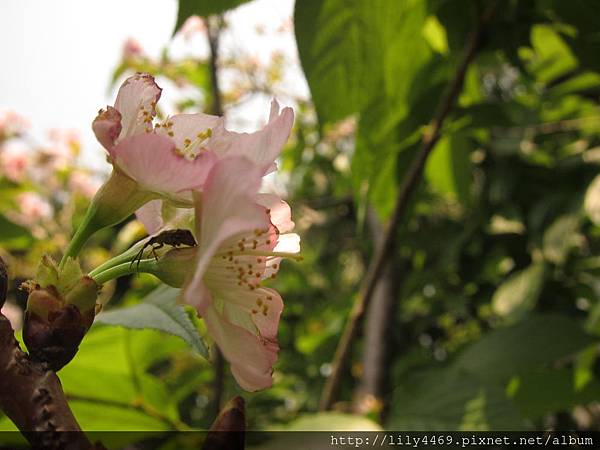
(148, 115)
(243, 261)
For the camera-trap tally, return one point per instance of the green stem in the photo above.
(126, 256)
(121, 270)
(83, 233)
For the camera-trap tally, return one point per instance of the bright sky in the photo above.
(58, 55)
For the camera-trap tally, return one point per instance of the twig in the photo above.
(31, 395)
(214, 25)
(409, 184)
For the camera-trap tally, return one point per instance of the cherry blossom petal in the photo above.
(189, 131)
(251, 357)
(280, 212)
(263, 146)
(288, 243)
(263, 306)
(107, 127)
(151, 216)
(136, 101)
(226, 208)
(151, 161)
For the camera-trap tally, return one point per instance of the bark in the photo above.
(378, 348)
(31, 394)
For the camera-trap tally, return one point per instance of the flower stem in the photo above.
(83, 233)
(144, 266)
(126, 256)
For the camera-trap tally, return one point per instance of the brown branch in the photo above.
(31, 394)
(408, 186)
(214, 25)
(378, 348)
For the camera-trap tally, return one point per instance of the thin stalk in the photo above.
(126, 256)
(121, 270)
(83, 233)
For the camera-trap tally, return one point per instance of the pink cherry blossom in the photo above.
(192, 26)
(11, 124)
(240, 245)
(173, 157)
(83, 183)
(14, 164)
(33, 208)
(131, 49)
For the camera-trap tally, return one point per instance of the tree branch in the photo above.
(31, 395)
(214, 25)
(408, 186)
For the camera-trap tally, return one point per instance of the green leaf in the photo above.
(448, 169)
(519, 294)
(13, 236)
(545, 391)
(332, 421)
(560, 237)
(552, 57)
(117, 360)
(449, 399)
(470, 392)
(324, 421)
(159, 311)
(69, 275)
(203, 8)
(94, 416)
(592, 200)
(352, 51)
(535, 342)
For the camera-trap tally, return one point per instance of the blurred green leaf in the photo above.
(450, 399)
(324, 421)
(13, 236)
(159, 311)
(560, 237)
(449, 167)
(534, 342)
(552, 57)
(519, 294)
(204, 8)
(470, 392)
(545, 391)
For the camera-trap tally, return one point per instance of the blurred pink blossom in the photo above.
(192, 26)
(12, 124)
(33, 208)
(14, 164)
(83, 183)
(66, 137)
(131, 49)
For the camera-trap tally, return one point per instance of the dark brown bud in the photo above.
(228, 430)
(54, 328)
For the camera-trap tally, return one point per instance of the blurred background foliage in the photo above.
(488, 316)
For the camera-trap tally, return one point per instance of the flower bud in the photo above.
(55, 324)
(227, 431)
